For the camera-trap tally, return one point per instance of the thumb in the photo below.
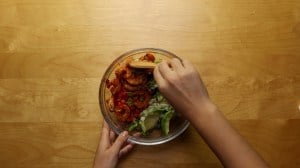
(122, 138)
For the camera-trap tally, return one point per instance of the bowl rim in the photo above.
(131, 138)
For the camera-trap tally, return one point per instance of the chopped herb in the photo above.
(133, 125)
(158, 61)
(129, 102)
(129, 94)
(151, 84)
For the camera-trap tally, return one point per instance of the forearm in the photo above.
(227, 144)
(180, 83)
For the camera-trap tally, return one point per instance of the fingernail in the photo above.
(124, 133)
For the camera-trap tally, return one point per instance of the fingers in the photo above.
(137, 134)
(104, 140)
(112, 137)
(159, 79)
(126, 149)
(165, 70)
(122, 138)
(187, 64)
(176, 65)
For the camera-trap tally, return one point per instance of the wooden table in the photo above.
(54, 53)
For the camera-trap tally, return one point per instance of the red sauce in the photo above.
(130, 94)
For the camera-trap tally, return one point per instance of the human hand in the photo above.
(110, 148)
(181, 84)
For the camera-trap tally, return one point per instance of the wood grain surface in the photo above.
(54, 53)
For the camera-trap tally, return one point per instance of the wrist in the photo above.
(205, 110)
(207, 107)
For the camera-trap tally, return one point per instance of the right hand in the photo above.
(181, 84)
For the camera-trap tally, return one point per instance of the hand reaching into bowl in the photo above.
(181, 84)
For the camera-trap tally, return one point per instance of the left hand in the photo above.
(110, 148)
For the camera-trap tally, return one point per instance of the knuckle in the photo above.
(173, 60)
(186, 75)
(162, 87)
(190, 71)
(120, 139)
(172, 79)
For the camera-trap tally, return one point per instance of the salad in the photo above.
(135, 99)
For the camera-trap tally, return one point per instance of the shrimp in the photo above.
(137, 79)
(124, 72)
(110, 103)
(131, 77)
(128, 79)
(148, 57)
(114, 86)
(129, 87)
(127, 74)
(122, 112)
(141, 99)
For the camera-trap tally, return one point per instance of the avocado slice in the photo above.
(133, 125)
(165, 122)
(148, 122)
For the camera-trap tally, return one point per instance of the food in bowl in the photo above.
(177, 124)
(136, 101)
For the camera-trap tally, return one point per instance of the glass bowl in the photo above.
(177, 125)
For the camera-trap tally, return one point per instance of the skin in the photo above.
(110, 148)
(181, 84)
